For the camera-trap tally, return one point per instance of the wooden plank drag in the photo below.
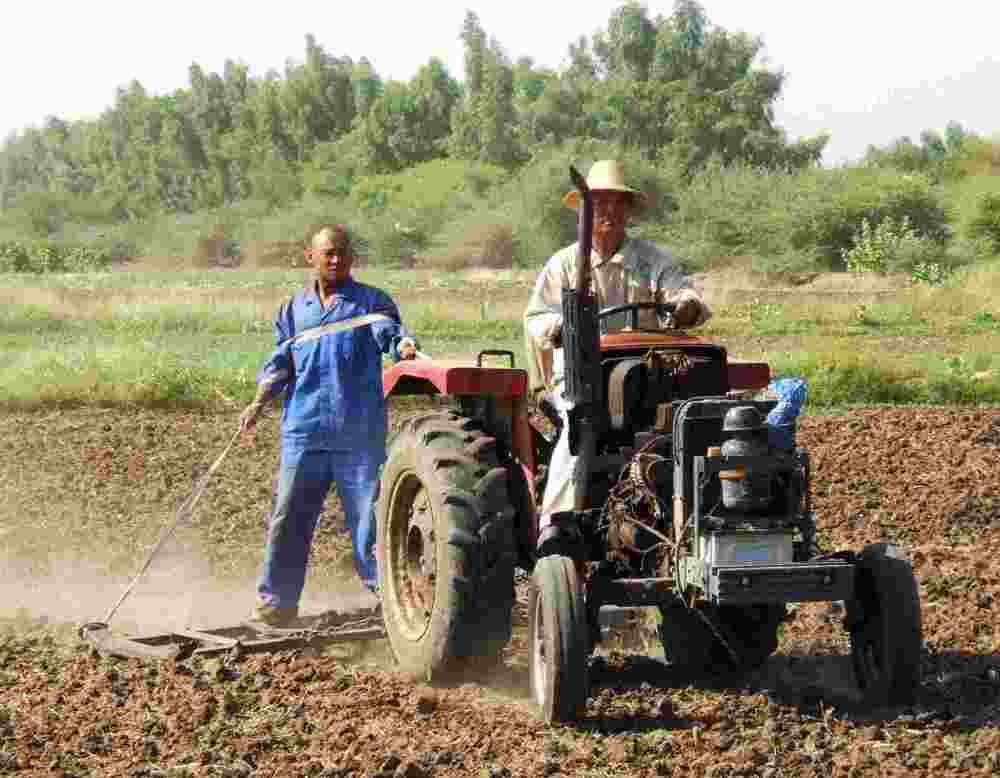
(316, 631)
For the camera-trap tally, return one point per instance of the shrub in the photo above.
(734, 209)
(985, 225)
(798, 221)
(335, 165)
(832, 205)
(15, 258)
(439, 185)
(931, 273)
(45, 256)
(889, 247)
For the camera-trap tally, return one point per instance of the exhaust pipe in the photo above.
(582, 352)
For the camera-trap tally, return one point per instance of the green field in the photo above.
(195, 338)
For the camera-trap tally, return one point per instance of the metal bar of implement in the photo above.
(207, 637)
(264, 645)
(104, 642)
(169, 645)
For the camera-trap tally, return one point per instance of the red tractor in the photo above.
(687, 507)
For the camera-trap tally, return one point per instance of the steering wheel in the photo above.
(663, 310)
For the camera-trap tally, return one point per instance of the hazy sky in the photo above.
(867, 72)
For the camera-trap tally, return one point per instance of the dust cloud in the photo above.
(178, 591)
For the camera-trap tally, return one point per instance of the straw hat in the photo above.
(607, 175)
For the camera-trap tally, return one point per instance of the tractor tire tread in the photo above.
(461, 470)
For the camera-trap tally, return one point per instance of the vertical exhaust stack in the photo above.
(582, 352)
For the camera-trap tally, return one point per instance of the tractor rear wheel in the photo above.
(885, 626)
(446, 545)
(558, 639)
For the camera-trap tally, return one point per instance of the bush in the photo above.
(985, 225)
(335, 165)
(798, 221)
(890, 247)
(832, 205)
(44, 256)
(438, 185)
(735, 209)
(931, 273)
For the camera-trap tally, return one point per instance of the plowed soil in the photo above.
(83, 494)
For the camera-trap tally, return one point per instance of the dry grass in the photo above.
(739, 283)
(258, 254)
(488, 243)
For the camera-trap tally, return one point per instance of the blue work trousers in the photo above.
(304, 479)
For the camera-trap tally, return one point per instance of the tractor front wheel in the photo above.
(885, 626)
(446, 545)
(558, 639)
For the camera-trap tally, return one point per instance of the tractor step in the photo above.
(756, 584)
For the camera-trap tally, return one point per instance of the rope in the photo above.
(183, 513)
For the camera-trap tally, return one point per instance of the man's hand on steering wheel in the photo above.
(686, 312)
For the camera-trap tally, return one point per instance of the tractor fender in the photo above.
(430, 376)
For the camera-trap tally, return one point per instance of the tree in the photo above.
(678, 85)
(484, 123)
(496, 110)
(367, 86)
(474, 43)
(954, 135)
(410, 122)
(581, 67)
(625, 50)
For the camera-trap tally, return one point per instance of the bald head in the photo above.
(331, 236)
(329, 254)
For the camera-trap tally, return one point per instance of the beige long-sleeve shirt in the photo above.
(639, 272)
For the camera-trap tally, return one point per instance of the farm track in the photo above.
(84, 492)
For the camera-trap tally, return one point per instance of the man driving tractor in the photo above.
(624, 270)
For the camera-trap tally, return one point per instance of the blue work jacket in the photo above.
(332, 384)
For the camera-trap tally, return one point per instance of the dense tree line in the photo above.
(674, 86)
(952, 155)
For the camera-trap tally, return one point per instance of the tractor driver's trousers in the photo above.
(304, 479)
(560, 493)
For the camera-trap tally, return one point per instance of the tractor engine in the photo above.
(743, 508)
(636, 516)
(635, 489)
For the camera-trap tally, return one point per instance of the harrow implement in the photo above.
(233, 641)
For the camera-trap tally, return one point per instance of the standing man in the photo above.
(328, 365)
(624, 270)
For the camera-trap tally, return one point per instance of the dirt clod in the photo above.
(426, 702)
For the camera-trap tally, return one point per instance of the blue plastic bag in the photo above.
(791, 394)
